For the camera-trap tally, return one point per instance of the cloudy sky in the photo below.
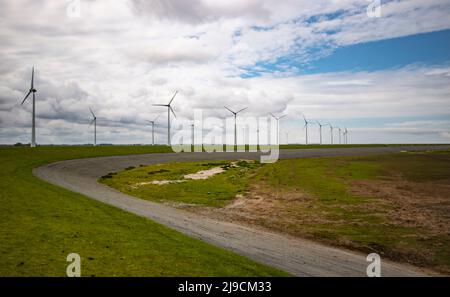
(386, 78)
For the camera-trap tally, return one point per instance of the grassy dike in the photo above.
(40, 224)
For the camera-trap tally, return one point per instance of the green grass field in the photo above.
(40, 224)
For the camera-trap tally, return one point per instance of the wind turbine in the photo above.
(94, 121)
(320, 129)
(331, 132)
(153, 129)
(345, 136)
(169, 109)
(339, 135)
(235, 127)
(306, 126)
(33, 123)
(192, 133)
(278, 125)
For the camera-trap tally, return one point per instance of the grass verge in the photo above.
(40, 224)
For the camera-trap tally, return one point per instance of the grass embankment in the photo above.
(393, 204)
(40, 224)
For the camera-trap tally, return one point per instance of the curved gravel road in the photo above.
(295, 255)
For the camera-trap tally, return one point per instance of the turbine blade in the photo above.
(160, 105)
(173, 97)
(230, 110)
(90, 124)
(156, 118)
(26, 97)
(273, 115)
(282, 116)
(92, 112)
(170, 107)
(32, 78)
(242, 110)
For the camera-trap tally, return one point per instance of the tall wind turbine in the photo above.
(33, 123)
(153, 129)
(169, 109)
(278, 125)
(306, 126)
(235, 127)
(94, 121)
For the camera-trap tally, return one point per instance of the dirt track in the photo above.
(297, 256)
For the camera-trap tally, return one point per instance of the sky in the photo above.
(386, 77)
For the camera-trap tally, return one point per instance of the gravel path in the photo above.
(298, 256)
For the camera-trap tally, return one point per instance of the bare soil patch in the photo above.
(420, 205)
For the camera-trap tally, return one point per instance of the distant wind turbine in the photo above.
(169, 109)
(320, 129)
(306, 127)
(33, 123)
(235, 123)
(94, 121)
(331, 132)
(153, 129)
(345, 136)
(278, 125)
(192, 133)
(339, 135)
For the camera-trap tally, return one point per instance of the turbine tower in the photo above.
(33, 123)
(278, 125)
(235, 127)
(153, 129)
(306, 126)
(345, 136)
(169, 109)
(94, 121)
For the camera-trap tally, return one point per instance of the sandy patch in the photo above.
(200, 175)
(204, 174)
(158, 182)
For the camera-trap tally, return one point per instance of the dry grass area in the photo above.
(413, 204)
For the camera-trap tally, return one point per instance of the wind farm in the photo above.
(213, 139)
